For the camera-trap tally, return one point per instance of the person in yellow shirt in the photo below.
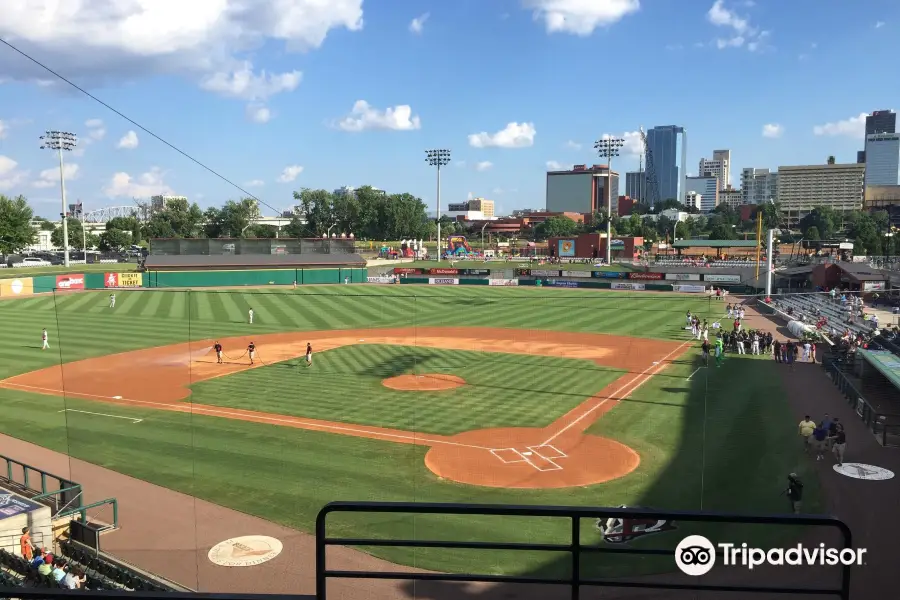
(806, 428)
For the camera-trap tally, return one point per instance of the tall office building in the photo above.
(662, 143)
(635, 185)
(803, 188)
(719, 166)
(758, 185)
(882, 159)
(731, 197)
(881, 121)
(708, 188)
(582, 189)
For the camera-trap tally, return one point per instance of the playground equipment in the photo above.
(411, 248)
(458, 246)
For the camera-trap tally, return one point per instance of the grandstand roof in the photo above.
(715, 244)
(253, 260)
(861, 271)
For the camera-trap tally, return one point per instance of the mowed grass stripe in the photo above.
(346, 385)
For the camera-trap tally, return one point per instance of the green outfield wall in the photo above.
(182, 279)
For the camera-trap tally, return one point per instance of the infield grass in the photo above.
(722, 441)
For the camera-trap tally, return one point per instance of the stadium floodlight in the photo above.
(438, 158)
(608, 148)
(61, 141)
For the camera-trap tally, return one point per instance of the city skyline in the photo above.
(359, 102)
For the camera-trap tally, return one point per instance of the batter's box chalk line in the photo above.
(541, 458)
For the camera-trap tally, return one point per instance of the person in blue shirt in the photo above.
(38, 558)
(820, 436)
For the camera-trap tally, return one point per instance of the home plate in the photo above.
(117, 397)
(656, 362)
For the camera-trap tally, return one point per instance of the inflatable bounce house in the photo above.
(458, 246)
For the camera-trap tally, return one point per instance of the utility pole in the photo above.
(60, 141)
(438, 158)
(607, 148)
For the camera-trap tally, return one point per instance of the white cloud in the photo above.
(552, 165)
(255, 183)
(580, 17)
(743, 34)
(96, 130)
(241, 82)
(4, 128)
(632, 143)
(514, 135)
(772, 130)
(416, 25)
(129, 141)
(572, 145)
(10, 174)
(363, 117)
(484, 165)
(879, 24)
(93, 123)
(854, 127)
(122, 185)
(199, 40)
(258, 113)
(290, 173)
(50, 177)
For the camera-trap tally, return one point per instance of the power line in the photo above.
(136, 124)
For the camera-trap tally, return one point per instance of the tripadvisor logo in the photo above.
(695, 555)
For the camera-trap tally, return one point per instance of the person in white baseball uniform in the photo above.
(112, 300)
(250, 314)
(807, 352)
(754, 343)
(741, 314)
(45, 345)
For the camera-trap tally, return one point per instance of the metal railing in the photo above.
(81, 511)
(67, 491)
(575, 548)
(885, 426)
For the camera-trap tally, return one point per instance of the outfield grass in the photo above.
(722, 441)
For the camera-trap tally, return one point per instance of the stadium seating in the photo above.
(807, 307)
(715, 264)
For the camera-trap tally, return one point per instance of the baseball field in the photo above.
(432, 394)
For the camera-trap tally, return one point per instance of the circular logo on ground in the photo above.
(246, 551)
(695, 555)
(861, 471)
(16, 286)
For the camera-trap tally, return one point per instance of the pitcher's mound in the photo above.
(429, 382)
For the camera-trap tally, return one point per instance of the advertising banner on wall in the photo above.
(722, 278)
(379, 279)
(542, 273)
(873, 286)
(576, 273)
(641, 276)
(628, 286)
(609, 275)
(442, 281)
(20, 286)
(683, 276)
(475, 272)
(690, 289)
(70, 282)
(123, 280)
(506, 282)
(562, 283)
(407, 271)
(565, 248)
(442, 271)
(12, 505)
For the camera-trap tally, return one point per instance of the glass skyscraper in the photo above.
(662, 143)
(882, 159)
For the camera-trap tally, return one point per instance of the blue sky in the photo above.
(257, 95)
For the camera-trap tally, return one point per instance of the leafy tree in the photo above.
(77, 237)
(261, 231)
(771, 215)
(824, 219)
(812, 233)
(831, 160)
(16, 230)
(556, 226)
(114, 240)
(129, 224)
(177, 220)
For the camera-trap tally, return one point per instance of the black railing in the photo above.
(575, 581)
(885, 426)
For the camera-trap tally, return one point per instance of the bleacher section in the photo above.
(714, 264)
(809, 308)
(102, 572)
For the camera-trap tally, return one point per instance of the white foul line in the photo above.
(692, 374)
(84, 412)
(205, 410)
(619, 391)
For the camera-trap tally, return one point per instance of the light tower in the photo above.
(438, 158)
(607, 148)
(59, 141)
